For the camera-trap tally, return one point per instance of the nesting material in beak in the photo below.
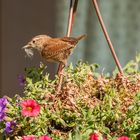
(28, 50)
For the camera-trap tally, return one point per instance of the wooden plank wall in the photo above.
(21, 20)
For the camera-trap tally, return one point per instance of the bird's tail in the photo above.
(81, 37)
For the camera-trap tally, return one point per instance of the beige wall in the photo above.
(21, 20)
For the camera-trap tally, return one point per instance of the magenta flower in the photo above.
(123, 138)
(30, 108)
(45, 138)
(10, 126)
(94, 136)
(28, 138)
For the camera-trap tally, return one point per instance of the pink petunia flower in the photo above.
(45, 138)
(123, 138)
(94, 136)
(28, 138)
(30, 108)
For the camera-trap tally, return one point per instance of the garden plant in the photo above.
(81, 104)
(90, 105)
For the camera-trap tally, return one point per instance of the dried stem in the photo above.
(72, 13)
(107, 36)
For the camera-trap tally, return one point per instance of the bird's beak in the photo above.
(26, 47)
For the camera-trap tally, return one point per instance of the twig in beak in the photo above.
(28, 50)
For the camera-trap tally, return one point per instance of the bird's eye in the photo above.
(33, 41)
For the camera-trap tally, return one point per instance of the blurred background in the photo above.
(22, 20)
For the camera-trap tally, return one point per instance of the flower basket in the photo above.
(89, 106)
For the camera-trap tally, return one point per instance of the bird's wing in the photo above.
(51, 50)
(72, 40)
(69, 40)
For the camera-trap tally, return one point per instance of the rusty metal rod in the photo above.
(107, 36)
(71, 17)
(72, 13)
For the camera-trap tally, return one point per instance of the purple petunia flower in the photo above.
(10, 126)
(3, 102)
(21, 80)
(2, 115)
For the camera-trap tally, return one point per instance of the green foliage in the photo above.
(88, 102)
(133, 66)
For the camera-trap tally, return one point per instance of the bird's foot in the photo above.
(59, 85)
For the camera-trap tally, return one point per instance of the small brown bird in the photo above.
(53, 49)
